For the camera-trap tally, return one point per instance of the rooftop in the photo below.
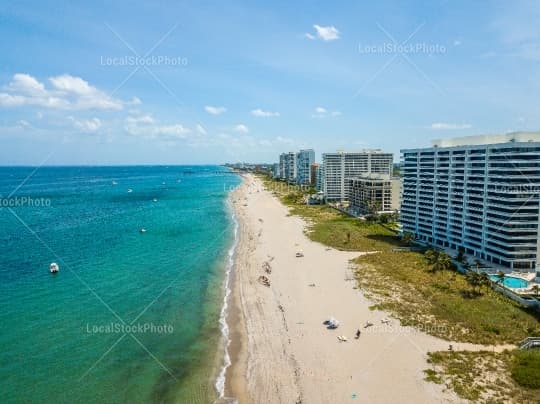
(518, 137)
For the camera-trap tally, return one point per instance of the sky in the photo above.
(202, 82)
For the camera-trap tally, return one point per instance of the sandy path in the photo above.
(283, 353)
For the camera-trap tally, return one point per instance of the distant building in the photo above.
(341, 166)
(304, 160)
(477, 194)
(314, 171)
(289, 169)
(275, 170)
(319, 182)
(375, 192)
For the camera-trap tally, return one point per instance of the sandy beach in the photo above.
(281, 351)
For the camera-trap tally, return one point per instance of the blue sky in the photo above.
(243, 81)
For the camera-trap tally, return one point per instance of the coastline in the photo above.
(281, 352)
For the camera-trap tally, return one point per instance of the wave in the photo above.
(224, 327)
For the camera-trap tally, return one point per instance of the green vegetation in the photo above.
(525, 368)
(441, 302)
(488, 377)
(421, 290)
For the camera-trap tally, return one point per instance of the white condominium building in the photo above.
(341, 166)
(304, 160)
(287, 167)
(479, 194)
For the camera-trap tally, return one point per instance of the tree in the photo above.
(439, 260)
(474, 279)
(501, 275)
(535, 289)
(408, 238)
(485, 280)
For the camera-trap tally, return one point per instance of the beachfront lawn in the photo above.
(442, 303)
(488, 377)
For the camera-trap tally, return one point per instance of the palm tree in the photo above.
(535, 289)
(485, 280)
(443, 262)
(501, 275)
(408, 238)
(439, 260)
(474, 279)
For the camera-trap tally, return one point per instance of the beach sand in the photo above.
(280, 349)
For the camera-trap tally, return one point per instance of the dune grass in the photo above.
(488, 377)
(441, 303)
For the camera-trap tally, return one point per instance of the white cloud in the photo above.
(89, 125)
(26, 84)
(281, 139)
(177, 130)
(67, 93)
(328, 33)
(241, 128)
(449, 126)
(309, 36)
(140, 119)
(215, 110)
(321, 112)
(263, 114)
(200, 129)
(23, 123)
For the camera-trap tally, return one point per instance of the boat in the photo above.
(54, 268)
(154, 200)
(130, 191)
(143, 230)
(114, 183)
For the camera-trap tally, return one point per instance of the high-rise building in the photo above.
(314, 171)
(374, 193)
(304, 160)
(479, 195)
(289, 171)
(341, 166)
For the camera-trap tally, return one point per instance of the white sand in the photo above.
(289, 356)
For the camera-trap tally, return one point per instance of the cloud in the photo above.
(89, 125)
(328, 33)
(241, 128)
(200, 129)
(449, 126)
(215, 110)
(321, 112)
(140, 119)
(264, 114)
(146, 126)
(67, 93)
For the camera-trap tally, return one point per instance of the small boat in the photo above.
(114, 183)
(154, 200)
(54, 268)
(130, 191)
(142, 230)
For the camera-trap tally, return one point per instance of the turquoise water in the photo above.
(61, 338)
(511, 282)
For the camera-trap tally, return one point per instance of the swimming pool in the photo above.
(511, 282)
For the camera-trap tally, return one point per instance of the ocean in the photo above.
(133, 315)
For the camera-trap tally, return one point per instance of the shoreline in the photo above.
(279, 349)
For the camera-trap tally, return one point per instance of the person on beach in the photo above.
(358, 332)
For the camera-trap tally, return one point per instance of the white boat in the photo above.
(114, 183)
(143, 230)
(54, 268)
(155, 199)
(130, 191)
